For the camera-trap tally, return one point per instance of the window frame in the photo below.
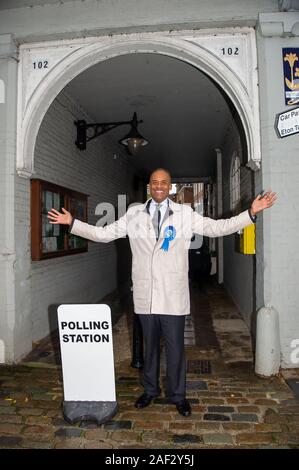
(235, 183)
(39, 222)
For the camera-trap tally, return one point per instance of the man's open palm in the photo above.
(263, 202)
(59, 218)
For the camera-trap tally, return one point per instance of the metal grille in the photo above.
(199, 367)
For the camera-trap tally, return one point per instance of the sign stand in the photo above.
(99, 411)
(85, 333)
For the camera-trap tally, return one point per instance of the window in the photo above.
(235, 194)
(51, 240)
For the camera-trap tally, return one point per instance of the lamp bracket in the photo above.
(99, 128)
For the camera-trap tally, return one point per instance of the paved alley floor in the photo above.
(231, 406)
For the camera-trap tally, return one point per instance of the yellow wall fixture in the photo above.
(247, 240)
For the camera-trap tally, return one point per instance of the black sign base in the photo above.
(99, 411)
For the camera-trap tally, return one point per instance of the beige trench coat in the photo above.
(160, 278)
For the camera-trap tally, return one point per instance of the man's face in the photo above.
(160, 185)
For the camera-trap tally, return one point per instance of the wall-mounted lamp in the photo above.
(132, 141)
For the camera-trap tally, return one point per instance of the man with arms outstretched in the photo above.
(160, 232)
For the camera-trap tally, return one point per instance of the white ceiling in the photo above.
(185, 115)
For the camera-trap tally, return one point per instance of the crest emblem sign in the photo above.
(291, 75)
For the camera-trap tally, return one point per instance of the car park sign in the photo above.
(287, 123)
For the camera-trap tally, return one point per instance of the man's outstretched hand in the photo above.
(263, 202)
(56, 217)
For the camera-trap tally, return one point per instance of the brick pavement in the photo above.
(232, 407)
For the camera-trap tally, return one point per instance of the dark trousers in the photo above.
(172, 328)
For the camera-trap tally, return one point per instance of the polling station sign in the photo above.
(85, 333)
(287, 123)
(290, 57)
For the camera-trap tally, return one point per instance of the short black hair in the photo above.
(160, 169)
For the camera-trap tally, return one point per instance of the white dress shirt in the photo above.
(163, 209)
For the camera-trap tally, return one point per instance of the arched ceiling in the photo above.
(185, 115)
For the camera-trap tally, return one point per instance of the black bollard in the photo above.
(137, 360)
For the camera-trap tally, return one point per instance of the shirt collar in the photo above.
(150, 201)
(162, 204)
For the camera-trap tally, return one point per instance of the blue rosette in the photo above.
(169, 235)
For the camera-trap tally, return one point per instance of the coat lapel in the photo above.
(168, 215)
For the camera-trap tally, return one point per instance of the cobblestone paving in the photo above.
(232, 407)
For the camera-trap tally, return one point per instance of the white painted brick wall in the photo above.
(280, 171)
(84, 277)
(14, 332)
(22, 268)
(7, 255)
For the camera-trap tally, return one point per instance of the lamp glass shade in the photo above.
(133, 141)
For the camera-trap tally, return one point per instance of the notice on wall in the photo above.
(85, 333)
(290, 58)
(287, 123)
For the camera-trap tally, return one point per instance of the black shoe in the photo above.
(143, 401)
(183, 407)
